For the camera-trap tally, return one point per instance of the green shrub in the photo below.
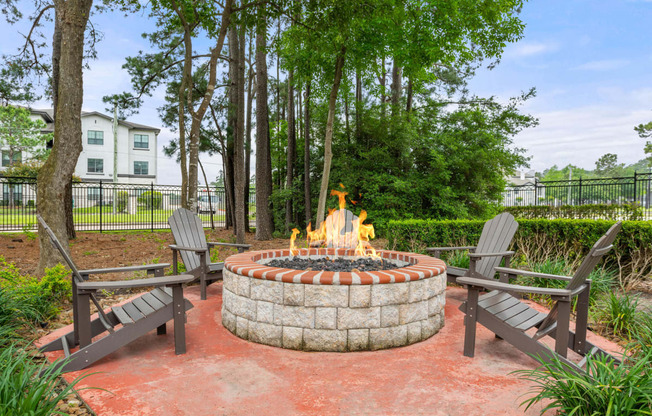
(540, 239)
(121, 199)
(605, 389)
(619, 314)
(628, 212)
(151, 199)
(27, 388)
(26, 299)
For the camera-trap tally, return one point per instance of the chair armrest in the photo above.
(125, 269)
(243, 246)
(517, 272)
(130, 284)
(499, 254)
(433, 249)
(182, 248)
(507, 287)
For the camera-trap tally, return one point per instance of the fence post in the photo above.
(151, 205)
(536, 191)
(101, 205)
(580, 196)
(635, 183)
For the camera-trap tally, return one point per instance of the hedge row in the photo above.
(627, 212)
(632, 254)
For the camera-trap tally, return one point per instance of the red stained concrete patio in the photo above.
(224, 375)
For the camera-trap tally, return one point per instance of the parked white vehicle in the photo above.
(204, 206)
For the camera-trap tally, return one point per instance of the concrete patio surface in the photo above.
(224, 375)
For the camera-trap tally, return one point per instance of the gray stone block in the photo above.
(229, 281)
(434, 305)
(242, 327)
(243, 285)
(293, 294)
(430, 326)
(418, 290)
(324, 340)
(358, 318)
(414, 332)
(227, 300)
(228, 320)
(266, 290)
(358, 340)
(265, 312)
(326, 295)
(292, 337)
(265, 333)
(300, 316)
(389, 315)
(389, 294)
(326, 318)
(278, 315)
(381, 338)
(243, 307)
(360, 296)
(412, 312)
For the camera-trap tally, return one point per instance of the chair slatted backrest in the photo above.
(497, 235)
(75, 272)
(55, 242)
(599, 249)
(188, 231)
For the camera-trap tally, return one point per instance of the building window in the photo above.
(95, 165)
(141, 168)
(95, 137)
(94, 194)
(141, 141)
(6, 162)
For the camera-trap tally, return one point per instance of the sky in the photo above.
(590, 61)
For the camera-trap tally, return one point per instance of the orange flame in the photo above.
(340, 229)
(293, 250)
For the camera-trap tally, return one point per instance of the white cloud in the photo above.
(604, 65)
(525, 49)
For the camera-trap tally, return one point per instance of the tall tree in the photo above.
(20, 134)
(291, 151)
(264, 223)
(71, 17)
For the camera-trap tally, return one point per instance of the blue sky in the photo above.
(591, 62)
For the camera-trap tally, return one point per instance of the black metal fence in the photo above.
(107, 206)
(626, 191)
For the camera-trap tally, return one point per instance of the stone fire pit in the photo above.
(333, 311)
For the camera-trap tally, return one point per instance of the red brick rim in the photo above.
(421, 267)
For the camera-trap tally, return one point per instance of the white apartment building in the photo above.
(136, 149)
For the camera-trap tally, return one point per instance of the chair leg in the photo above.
(581, 322)
(161, 330)
(470, 321)
(202, 283)
(561, 333)
(83, 323)
(179, 312)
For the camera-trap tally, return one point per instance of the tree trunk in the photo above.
(408, 107)
(208, 191)
(264, 223)
(238, 154)
(328, 153)
(358, 103)
(250, 100)
(346, 118)
(198, 116)
(232, 131)
(306, 156)
(291, 151)
(55, 174)
(186, 79)
(383, 96)
(397, 88)
(70, 223)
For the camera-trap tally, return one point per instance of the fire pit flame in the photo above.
(341, 230)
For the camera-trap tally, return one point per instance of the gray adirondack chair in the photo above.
(497, 235)
(506, 316)
(190, 240)
(125, 323)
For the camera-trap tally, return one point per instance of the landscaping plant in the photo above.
(619, 314)
(28, 388)
(604, 389)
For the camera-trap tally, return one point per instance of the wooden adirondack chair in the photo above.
(190, 240)
(509, 318)
(495, 239)
(125, 323)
